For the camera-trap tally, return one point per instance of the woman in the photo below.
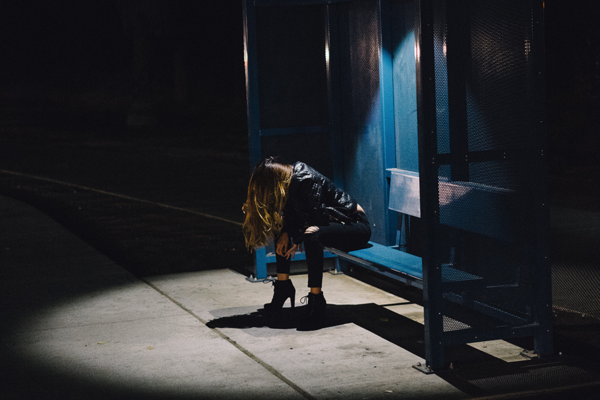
(294, 205)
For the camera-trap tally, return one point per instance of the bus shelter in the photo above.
(431, 114)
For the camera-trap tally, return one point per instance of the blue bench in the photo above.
(401, 266)
(390, 261)
(404, 197)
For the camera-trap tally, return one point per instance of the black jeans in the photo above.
(347, 237)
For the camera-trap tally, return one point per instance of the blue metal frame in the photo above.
(378, 142)
(385, 119)
(333, 79)
(458, 155)
(426, 114)
(255, 133)
(251, 67)
(386, 84)
(543, 342)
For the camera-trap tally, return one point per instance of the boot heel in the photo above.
(282, 291)
(293, 300)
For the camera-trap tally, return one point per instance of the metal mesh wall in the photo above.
(359, 42)
(441, 78)
(575, 253)
(292, 148)
(403, 14)
(359, 26)
(292, 84)
(292, 74)
(485, 89)
(500, 79)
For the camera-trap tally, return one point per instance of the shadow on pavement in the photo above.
(473, 371)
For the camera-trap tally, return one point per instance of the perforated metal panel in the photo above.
(490, 162)
(359, 27)
(327, 72)
(291, 99)
(361, 117)
(313, 84)
(288, 88)
(292, 148)
(292, 74)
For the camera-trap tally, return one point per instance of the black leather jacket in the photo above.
(314, 200)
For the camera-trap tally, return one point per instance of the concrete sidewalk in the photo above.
(77, 325)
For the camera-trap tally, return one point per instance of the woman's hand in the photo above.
(282, 246)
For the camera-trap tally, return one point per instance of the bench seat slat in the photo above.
(385, 258)
(392, 258)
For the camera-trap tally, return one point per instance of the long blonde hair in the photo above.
(267, 195)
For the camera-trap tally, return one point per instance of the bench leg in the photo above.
(434, 328)
(341, 266)
(260, 266)
(434, 351)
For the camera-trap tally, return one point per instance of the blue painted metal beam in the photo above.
(432, 274)
(543, 342)
(251, 68)
(334, 94)
(386, 93)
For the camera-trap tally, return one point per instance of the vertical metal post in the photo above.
(254, 142)
(543, 304)
(251, 67)
(426, 114)
(333, 86)
(386, 93)
(386, 84)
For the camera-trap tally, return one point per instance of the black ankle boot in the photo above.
(282, 291)
(315, 311)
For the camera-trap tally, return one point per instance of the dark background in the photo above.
(179, 61)
(182, 62)
(146, 98)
